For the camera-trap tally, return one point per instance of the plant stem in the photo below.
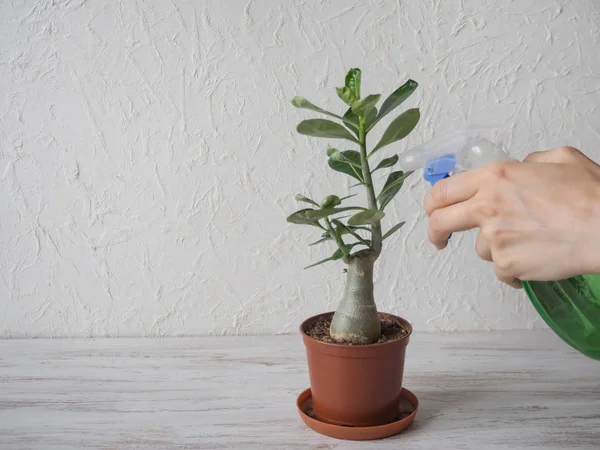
(356, 320)
(338, 239)
(376, 236)
(357, 236)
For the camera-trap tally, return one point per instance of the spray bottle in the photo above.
(571, 307)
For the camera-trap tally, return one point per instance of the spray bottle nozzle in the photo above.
(454, 153)
(451, 154)
(440, 168)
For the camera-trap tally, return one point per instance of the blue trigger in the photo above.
(438, 169)
(434, 178)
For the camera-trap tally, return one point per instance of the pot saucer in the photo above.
(304, 403)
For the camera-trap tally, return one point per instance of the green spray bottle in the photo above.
(571, 307)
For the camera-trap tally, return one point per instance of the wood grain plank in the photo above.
(517, 390)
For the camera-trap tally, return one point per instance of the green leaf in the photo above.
(348, 196)
(316, 214)
(400, 127)
(387, 162)
(331, 258)
(391, 187)
(302, 103)
(337, 255)
(311, 216)
(362, 107)
(340, 227)
(330, 201)
(344, 229)
(300, 218)
(396, 98)
(370, 118)
(366, 217)
(350, 93)
(347, 95)
(354, 228)
(393, 230)
(327, 235)
(353, 81)
(348, 166)
(325, 239)
(339, 231)
(351, 121)
(302, 198)
(324, 128)
(352, 158)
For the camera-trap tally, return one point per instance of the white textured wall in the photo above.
(148, 158)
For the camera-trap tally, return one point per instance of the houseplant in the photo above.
(356, 355)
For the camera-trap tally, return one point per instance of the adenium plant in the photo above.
(357, 230)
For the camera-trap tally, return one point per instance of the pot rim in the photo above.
(376, 345)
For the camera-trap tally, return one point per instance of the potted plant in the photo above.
(356, 354)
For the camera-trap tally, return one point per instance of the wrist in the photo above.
(590, 246)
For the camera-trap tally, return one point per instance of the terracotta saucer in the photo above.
(304, 403)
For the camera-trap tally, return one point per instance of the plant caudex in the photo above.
(359, 239)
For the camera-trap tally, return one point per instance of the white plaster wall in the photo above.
(148, 157)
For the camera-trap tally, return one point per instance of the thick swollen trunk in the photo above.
(356, 320)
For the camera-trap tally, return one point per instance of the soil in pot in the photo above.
(391, 329)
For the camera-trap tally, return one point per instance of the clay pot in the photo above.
(355, 385)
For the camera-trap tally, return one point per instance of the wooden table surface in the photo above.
(515, 390)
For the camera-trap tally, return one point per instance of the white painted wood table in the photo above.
(519, 390)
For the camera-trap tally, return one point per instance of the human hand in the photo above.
(539, 219)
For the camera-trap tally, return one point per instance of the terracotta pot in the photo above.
(355, 385)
